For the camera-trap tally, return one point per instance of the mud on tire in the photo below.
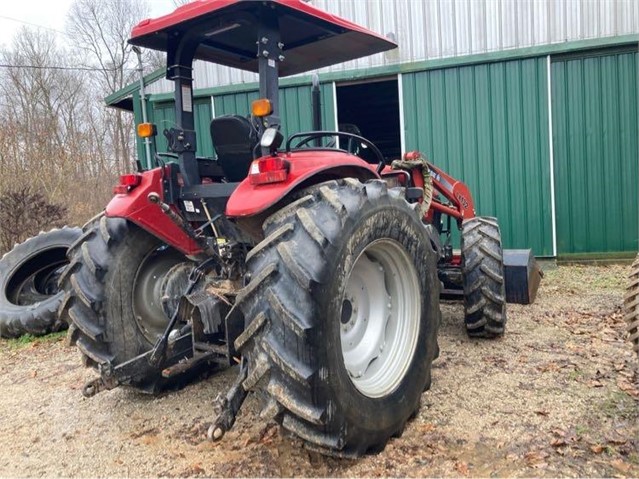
(29, 296)
(99, 303)
(297, 317)
(631, 305)
(483, 277)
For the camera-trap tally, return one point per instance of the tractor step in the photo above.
(523, 276)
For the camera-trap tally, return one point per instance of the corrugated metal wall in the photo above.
(596, 157)
(488, 125)
(431, 29)
(295, 107)
(295, 110)
(163, 115)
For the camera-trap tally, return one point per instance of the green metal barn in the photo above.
(545, 132)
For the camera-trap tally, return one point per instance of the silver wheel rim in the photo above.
(380, 316)
(149, 290)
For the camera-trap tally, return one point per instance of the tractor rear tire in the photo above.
(110, 270)
(29, 294)
(483, 278)
(341, 316)
(631, 305)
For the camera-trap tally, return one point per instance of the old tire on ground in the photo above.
(113, 305)
(29, 294)
(342, 313)
(483, 277)
(631, 305)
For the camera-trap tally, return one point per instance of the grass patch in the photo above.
(588, 278)
(620, 405)
(576, 375)
(29, 339)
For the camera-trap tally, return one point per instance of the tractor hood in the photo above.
(225, 31)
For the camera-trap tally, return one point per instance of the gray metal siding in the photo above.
(431, 29)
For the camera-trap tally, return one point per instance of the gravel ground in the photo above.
(557, 396)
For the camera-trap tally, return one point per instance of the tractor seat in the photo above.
(234, 139)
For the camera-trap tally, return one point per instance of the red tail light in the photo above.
(268, 170)
(127, 183)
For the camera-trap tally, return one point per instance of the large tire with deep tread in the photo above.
(292, 306)
(29, 296)
(631, 305)
(99, 301)
(483, 278)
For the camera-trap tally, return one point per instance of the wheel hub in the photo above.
(160, 281)
(366, 311)
(380, 315)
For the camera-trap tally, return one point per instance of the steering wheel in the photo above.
(314, 135)
(331, 144)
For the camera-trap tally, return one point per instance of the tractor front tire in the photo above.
(29, 295)
(341, 316)
(483, 278)
(631, 305)
(112, 314)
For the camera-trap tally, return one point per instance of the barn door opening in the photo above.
(372, 108)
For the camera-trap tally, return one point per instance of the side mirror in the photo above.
(271, 140)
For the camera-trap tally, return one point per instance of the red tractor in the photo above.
(315, 269)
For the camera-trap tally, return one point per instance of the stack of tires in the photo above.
(29, 292)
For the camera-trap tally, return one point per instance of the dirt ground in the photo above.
(557, 396)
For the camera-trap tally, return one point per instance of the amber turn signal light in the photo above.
(146, 130)
(261, 107)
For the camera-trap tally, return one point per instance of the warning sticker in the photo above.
(187, 101)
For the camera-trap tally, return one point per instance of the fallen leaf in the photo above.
(33, 374)
(462, 468)
(542, 413)
(617, 440)
(627, 387)
(597, 449)
(620, 466)
(558, 442)
(534, 457)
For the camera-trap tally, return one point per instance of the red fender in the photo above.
(135, 207)
(248, 199)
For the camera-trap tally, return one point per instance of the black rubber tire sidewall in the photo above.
(122, 330)
(38, 318)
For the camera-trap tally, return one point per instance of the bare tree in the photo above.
(51, 137)
(24, 213)
(100, 29)
(57, 138)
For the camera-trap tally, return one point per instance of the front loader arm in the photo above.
(454, 191)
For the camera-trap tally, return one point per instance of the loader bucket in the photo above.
(523, 275)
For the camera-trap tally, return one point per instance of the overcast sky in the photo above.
(50, 14)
